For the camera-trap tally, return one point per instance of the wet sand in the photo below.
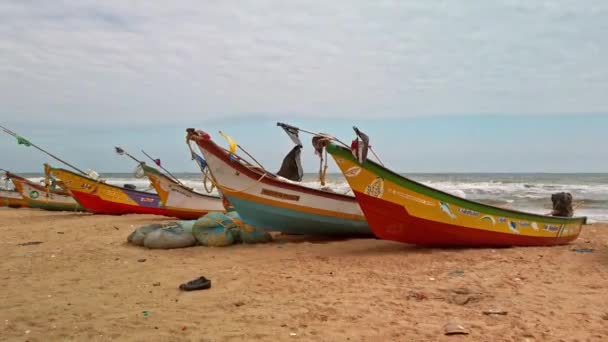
(83, 282)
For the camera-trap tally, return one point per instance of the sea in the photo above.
(520, 191)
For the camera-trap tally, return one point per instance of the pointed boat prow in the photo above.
(400, 209)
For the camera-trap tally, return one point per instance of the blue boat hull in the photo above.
(291, 221)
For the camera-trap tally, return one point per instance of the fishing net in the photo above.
(164, 236)
(562, 204)
(139, 234)
(212, 230)
(247, 233)
(218, 230)
(250, 234)
(215, 230)
(172, 235)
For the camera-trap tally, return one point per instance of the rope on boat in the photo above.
(375, 155)
(207, 175)
(228, 189)
(324, 139)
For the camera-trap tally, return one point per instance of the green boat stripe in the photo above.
(342, 152)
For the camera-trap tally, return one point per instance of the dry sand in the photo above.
(83, 282)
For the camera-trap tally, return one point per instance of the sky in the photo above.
(440, 86)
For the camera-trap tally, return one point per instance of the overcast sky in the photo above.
(115, 66)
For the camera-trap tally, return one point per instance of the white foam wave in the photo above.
(482, 190)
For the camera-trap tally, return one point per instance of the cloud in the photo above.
(190, 61)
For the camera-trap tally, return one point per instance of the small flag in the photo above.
(292, 132)
(157, 162)
(119, 150)
(23, 141)
(231, 142)
(202, 164)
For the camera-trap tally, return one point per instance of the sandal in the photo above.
(201, 283)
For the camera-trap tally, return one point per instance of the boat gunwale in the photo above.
(38, 187)
(100, 182)
(150, 169)
(271, 178)
(337, 150)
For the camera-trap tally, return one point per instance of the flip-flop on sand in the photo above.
(201, 283)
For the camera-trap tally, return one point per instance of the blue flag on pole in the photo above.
(200, 161)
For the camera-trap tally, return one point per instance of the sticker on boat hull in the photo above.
(513, 227)
(34, 194)
(550, 228)
(534, 226)
(410, 197)
(353, 171)
(468, 212)
(375, 188)
(446, 209)
(489, 218)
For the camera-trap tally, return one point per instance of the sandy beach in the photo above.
(82, 281)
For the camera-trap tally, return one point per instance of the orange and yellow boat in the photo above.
(101, 198)
(12, 199)
(400, 209)
(268, 201)
(43, 197)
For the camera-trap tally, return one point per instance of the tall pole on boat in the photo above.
(284, 125)
(121, 151)
(287, 126)
(157, 162)
(22, 141)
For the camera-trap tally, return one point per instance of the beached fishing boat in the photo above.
(181, 201)
(12, 199)
(38, 196)
(102, 198)
(400, 209)
(93, 193)
(272, 202)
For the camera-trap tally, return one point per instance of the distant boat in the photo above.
(403, 210)
(270, 202)
(180, 201)
(38, 196)
(94, 194)
(12, 199)
(102, 198)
